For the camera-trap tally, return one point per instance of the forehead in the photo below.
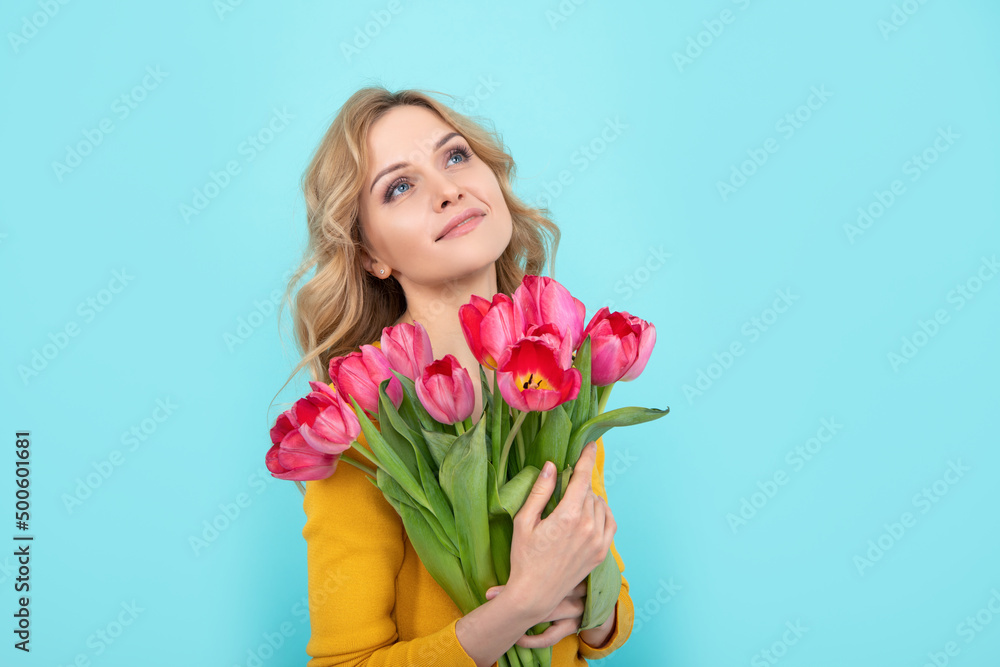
(404, 134)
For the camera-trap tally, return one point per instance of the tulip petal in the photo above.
(320, 443)
(531, 377)
(647, 340)
(291, 459)
(308, 474)
(271, 460)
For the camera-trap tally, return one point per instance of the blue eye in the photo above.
(393, 189)
(460, 150)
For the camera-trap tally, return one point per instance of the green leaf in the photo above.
(438, 444)
(410, 392)
(529, 428)
(463, 478)
(512, 495)
(501, 529)
(392, 436)
(487, 394)
(597, 426)
(603, 587)
(444, 567)
(551, 441)
(497, 434)
(388, 458)
(581, 404)
(394, 492)
(439, 503)
(415, 439)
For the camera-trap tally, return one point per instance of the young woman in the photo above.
(410, 212)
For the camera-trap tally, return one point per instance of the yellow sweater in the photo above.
(371, 600)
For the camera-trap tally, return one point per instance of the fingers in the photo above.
(540, 493)
(552, 634)
(610, 527)
(580, 482)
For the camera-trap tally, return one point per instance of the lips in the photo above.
(458, 219)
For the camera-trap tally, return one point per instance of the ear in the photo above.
(367, 262)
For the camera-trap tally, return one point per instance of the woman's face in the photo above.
(421, 175)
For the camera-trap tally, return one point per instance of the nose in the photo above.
(446, 191)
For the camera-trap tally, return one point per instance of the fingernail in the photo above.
(547, 469)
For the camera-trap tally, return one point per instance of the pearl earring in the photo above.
(382, 271)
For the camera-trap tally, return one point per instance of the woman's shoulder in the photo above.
(349, 496)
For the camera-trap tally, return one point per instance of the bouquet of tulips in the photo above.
(457, 483)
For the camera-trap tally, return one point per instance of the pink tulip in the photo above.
(359, 374)
(620, 346)
(540, 299)
(283, 425)
(325, 420)
(489, 327)
(445, 390)
(302, 465)
(531, 376)
(291, 457)
(407, 348)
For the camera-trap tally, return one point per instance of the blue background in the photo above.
(646, 229)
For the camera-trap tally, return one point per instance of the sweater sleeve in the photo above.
(623, 608)
(354, 542)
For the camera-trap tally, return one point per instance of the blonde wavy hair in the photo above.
(342, 306)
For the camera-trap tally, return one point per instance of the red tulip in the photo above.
(359, 374)
(540, 299)
(407, 348)
(445, 390)
(620, 345)
(489, 327)
(531, 376)
(550, 334)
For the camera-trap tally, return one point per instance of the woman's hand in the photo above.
(551, 558)
(565, 618)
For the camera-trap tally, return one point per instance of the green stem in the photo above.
(360, 466)
(602, 399)
(520, 445)
(460, 427)
(502, 472)
(301, 486)
(356, 446)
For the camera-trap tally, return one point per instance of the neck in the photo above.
(435, 307)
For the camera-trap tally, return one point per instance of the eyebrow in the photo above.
(399, 165)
